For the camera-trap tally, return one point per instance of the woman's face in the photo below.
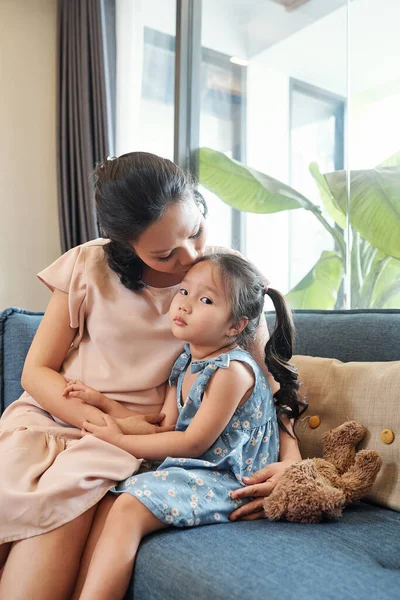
(174, 242)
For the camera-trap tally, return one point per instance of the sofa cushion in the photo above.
(355, 558)
(368, 392)
(17, 329)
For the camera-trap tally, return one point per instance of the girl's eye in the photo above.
(205, 300)
(197, 234)
(183, 292)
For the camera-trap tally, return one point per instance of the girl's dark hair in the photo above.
(132, 192)
(245, 288)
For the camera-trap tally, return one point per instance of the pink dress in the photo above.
(124, 348)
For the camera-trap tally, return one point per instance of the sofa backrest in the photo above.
(347, 335)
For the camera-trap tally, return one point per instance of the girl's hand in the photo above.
(143, 424)
(77, 389)
(110, 432)
(259, 485)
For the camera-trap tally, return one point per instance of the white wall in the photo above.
(29, 235)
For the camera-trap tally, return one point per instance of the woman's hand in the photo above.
(143, 424)
(109, 432)
(259, 485)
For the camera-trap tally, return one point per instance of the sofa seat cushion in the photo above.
(17, 330)
(357, 557)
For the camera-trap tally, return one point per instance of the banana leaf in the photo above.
(319, 288)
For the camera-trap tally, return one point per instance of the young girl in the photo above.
(226, 419)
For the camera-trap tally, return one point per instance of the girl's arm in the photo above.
(41, 377)
(224, 393)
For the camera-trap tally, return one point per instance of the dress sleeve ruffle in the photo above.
(67, 274)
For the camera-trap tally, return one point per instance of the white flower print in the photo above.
(196, 511)
(246, 424)
(139, 493)
(235, 424)
(169, 518)
(190, 522)
(199, 481)
(217, 516)
(175, 512)
(130, 481)
(164, 473)
(248, 468)
(259, 434)
(171, 492)
(194, 487)
(184, 355)
(217, 450)
(194, 498)
(197, 522)
(147, 493)
(256, 408)
(254, 442)
(265, 439)
(165, 506)
(249, 461)
(193, 504)
(156, 474)
(259, 415)
(182, 460)
(263, 461)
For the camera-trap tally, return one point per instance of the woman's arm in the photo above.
(223, 395)
(41, 377)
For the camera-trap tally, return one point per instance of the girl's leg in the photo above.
(110, 570)
(44, 567)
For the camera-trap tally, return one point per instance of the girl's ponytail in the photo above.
(278, 352)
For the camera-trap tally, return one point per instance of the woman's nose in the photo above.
(189, 255)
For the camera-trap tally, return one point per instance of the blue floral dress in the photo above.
(186, 492)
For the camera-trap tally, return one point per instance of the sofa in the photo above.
(353, 558)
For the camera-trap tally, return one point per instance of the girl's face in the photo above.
(174, 242)
(200, 311)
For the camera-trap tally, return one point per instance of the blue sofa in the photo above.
(355, 558)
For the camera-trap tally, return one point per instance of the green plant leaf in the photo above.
(374, 204)
(392, 161)
(328, 200)
(386, 293)
(244, 188)
(319, 288)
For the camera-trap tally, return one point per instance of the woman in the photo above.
(107, 324)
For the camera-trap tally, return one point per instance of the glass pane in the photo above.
(374, 136)
(222, 106)
(145, 76)
(293, 86)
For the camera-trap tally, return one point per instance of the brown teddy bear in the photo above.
(318, 488)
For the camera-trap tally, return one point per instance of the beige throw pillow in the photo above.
(366, 392)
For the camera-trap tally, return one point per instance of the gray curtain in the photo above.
(83, 116)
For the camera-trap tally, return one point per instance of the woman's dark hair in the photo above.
(132, 192)
(246, 289)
